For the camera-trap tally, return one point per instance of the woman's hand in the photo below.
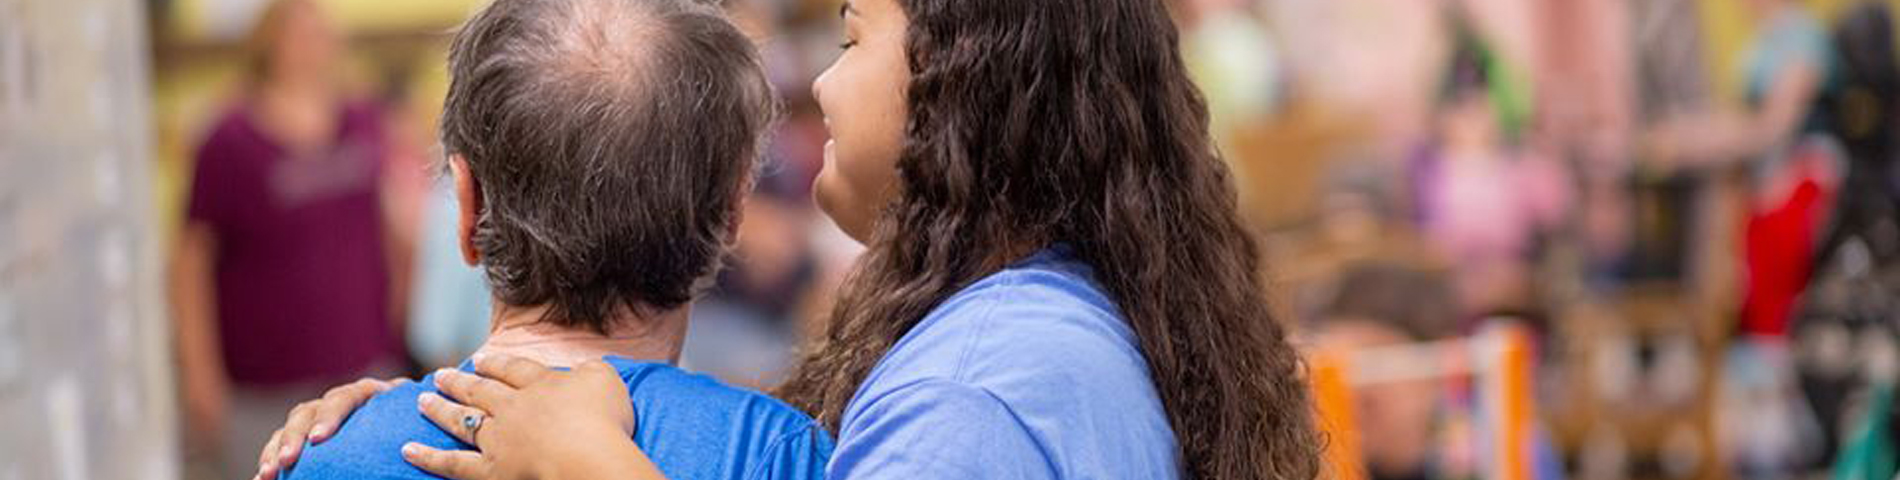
(315, 421)
(533, 423)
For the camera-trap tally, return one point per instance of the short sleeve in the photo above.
(214, 180)
(938, 429)
(799, 455)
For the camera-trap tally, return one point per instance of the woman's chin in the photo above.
(835, 205)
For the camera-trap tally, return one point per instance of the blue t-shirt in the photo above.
(1030, 373)
(691, 426)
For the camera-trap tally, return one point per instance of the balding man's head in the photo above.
(610, 141)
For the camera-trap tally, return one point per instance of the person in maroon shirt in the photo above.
(282, 275)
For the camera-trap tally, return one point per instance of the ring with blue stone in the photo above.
(471, 423)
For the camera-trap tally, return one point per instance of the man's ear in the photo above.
(468, 202)
(740, 198)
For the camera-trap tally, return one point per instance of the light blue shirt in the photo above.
(1030, 373)
(449, 305)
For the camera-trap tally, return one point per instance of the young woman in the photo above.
(1057, 283)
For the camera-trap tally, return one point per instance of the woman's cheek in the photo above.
(863, 100)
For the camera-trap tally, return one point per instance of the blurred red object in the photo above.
(1779, 242)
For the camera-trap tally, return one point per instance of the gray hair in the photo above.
(611, 141)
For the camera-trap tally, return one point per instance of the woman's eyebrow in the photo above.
(846, 8)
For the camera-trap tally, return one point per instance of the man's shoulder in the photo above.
(681, 415)
(369, 443)
(678, 388)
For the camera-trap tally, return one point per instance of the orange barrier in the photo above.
(1332, 396)
(1499, 361)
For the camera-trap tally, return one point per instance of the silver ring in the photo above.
(471, 423)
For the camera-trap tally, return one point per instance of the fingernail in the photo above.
(411, 449)
(284, 453)
(319, 431)
(428, 399)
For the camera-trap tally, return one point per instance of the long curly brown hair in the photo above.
(1073, 122)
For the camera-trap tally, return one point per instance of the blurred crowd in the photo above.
(1690, 204)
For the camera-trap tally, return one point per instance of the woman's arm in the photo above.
(1718, 138)
(535, 423)
(193, 299)
(399, 250)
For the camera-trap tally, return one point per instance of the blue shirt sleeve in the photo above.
(798, 455)
(938, 429)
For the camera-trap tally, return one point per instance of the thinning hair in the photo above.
(610, 142)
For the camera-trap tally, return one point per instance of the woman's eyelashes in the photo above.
(848, 43)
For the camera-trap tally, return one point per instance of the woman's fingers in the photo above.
(337, 405)
(315, 421)
(512, 370)
(449, 415)
(473, 390)
(277, 449)
(266, 466)
(604, 376)
(267, 459)
(455, 464)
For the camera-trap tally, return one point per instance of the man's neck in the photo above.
(521, 332)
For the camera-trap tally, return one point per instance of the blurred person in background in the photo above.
(1780, 147)
(1482, 204)
(1391, 323)
(1233, 58)
(281, 278)
(449, 305)
(1785, 67)
(1866, 119)
(447, 302)
(1377, 305)
(1586, 82)
(1780, 139)
(1846, 328)
(745, 331)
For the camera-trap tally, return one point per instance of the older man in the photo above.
(599, 150)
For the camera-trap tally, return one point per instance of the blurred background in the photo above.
(1517, 239)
